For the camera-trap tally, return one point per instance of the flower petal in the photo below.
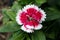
(26, 30)
(38, 27)
(30, 6)
(43, 15)
(23, 18)
(30, 27)
(18, 17)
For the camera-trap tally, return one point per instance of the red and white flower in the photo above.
(30, 17)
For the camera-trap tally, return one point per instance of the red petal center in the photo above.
(32, 17)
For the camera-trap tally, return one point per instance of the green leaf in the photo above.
(11, 14)
(5, 16)
(51, 35)
(58, 3)
(9, 27)
(27, 37)
(8, 14)
(17, 36)
(52, 14)
(38, 35)
(4, 10)
(15, 7)
(5, 20)
(54, 3)
(40, 2)
(25, 2)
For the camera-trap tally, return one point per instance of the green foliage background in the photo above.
(51, 29)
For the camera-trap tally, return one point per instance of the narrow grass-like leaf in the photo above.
(38, 35)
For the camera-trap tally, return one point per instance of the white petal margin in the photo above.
(26, 30)
(18, 17)
(30, 27)
(38, 27)
(43, 15)
(30, 6)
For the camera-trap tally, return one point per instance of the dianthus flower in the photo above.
(30, 17)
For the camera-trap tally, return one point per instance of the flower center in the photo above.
(29, 18)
